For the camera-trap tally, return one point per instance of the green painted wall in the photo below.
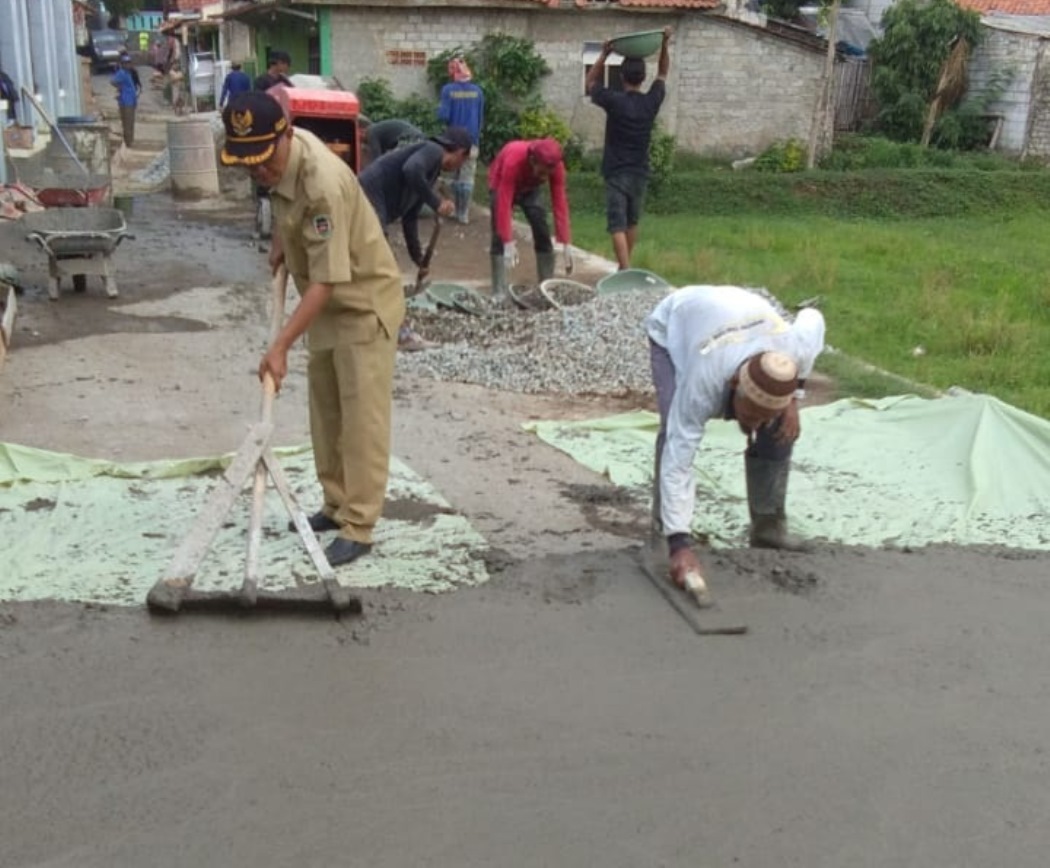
(286, 36)
(324, 25)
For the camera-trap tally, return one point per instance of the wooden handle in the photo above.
(279, 285)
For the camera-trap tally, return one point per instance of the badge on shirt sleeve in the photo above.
(323, 226)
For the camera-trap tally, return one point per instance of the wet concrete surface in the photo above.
(560, 716)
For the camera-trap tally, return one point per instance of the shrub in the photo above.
(661, 158)
(377, 99)
(539, 122)
(786, 156)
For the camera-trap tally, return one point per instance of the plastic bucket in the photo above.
(191, 155)
(631, 279)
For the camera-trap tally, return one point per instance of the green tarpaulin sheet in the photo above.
(899, 471)
(89, 530)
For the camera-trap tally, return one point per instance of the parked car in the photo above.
(105, 48)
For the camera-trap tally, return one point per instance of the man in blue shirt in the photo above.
(237, 81)
(125, 81)
(463, 105)
(630, 118)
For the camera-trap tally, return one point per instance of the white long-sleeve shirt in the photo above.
(709, 331)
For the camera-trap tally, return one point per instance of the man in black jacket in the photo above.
(402, 181)
(276, 71)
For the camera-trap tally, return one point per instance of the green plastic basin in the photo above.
(631, 279)
(643, 43)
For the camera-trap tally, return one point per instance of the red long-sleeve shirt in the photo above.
(510, 175)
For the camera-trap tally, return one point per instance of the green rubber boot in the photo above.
(499, 278)
(766, 494)
(544, 266)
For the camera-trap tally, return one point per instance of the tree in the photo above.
(122, 8)
(908, 60)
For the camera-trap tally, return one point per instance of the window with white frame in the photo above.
(590, 53)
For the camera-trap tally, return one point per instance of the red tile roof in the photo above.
(643, 4)
(673, 4)
(1010, 7)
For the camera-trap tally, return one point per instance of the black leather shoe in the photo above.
(343, 551)
(319, 522)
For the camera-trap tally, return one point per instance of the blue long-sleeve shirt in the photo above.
(463, 105)
(236, 82)
(124, 82)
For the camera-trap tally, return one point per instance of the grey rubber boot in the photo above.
(544, 266)
(461, 194)
(499, 277)
(767, 482)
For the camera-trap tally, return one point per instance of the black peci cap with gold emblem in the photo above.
(253, 121)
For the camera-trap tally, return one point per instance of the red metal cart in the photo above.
(331, 115)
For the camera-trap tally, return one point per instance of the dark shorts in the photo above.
(624, 200)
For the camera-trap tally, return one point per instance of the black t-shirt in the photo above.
(386, 136)
(630, 117)
(268, 79)
(400, 183)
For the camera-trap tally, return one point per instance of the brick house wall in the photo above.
(733, 89)
(1021, 50)
(1016, 55)
(1037, 144)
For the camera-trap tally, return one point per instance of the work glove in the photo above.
(567, 253)
(510, 254)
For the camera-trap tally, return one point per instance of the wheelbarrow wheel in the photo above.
(79, 283)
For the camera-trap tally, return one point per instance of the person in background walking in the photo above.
(462, 104)
(630, 116)
(237, 81)
(171, 54)
(276, 71)
(520, 169)
(126, 81)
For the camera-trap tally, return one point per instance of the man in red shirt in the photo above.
(515, 177)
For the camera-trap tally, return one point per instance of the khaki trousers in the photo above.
(127, 123)
(351, 393)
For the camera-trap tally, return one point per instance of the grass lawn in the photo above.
(944, 302)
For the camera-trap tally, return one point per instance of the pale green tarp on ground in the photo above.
(898, 471)
(89, 530)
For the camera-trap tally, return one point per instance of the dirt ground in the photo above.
(887, 708)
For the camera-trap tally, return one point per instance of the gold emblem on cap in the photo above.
(241, 122)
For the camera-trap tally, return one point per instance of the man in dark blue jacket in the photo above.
(237, 81)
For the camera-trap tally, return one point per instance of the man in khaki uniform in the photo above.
(351, 305)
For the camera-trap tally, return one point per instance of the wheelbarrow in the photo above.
(78, 242)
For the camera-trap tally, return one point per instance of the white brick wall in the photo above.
(1004, 50)
(733, 89)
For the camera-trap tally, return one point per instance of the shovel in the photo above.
(424, 266)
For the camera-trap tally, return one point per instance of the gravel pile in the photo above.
(596, 348)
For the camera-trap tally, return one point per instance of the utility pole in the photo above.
(822, 127)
